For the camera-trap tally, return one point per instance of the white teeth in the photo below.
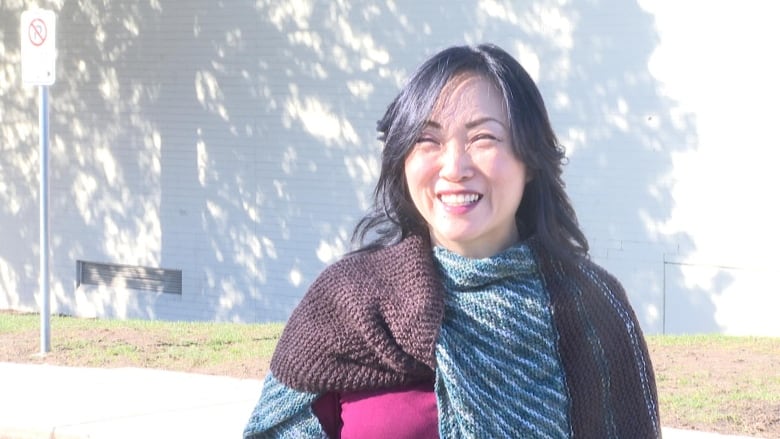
(458, 199)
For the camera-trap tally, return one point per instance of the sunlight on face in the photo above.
(462, 173)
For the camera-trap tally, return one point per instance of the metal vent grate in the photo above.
(159, 280)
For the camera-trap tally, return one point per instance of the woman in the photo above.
(473, 310)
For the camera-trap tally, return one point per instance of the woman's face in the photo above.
(462, 174)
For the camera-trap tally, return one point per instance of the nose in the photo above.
(455, 161)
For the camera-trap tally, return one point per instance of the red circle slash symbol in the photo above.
(37, 32)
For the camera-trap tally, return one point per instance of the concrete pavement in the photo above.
(55, 402)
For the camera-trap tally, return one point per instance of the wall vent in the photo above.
(159, 280)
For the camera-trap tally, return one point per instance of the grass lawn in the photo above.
(713, 382)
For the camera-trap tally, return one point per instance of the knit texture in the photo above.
(369, 321)
(609, 375)
(499, 372)
(282, 413)
(372, 321)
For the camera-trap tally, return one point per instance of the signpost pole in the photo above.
(39, 54)
(43, 125)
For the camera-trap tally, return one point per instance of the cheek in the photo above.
(415, 173)
(511, 178)
(411, 182)
(409, 177)
(418, 183)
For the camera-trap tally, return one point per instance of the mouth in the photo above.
(459, 199)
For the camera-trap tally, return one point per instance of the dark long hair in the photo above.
(545, 211)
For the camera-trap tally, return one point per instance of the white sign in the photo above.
(38, 50)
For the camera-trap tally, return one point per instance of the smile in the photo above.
(459, 199)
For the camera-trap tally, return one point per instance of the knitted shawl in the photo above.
(371, 321)
(498, 348)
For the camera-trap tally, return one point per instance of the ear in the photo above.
(529, 175)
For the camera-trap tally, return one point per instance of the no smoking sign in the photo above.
(39, 53)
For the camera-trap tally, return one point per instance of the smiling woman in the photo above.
(473, 310)
(463, 175)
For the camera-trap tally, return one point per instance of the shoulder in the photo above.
(597, 287)
(577, 274)
(362, 313)
(578, 278)
(375, 270)
(588, 295)
(596, 276)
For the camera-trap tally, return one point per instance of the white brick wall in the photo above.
(236, 142)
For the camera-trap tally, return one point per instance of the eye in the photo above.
(484, 136)
(426, 139)
(484, 139)
(427, 142)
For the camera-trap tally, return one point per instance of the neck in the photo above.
(479, 248)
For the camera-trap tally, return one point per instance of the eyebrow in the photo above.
(432, 124)
(482, 120)
(469, 125)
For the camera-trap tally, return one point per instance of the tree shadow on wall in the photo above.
(623, 133)
(237, 142)
(19, 170)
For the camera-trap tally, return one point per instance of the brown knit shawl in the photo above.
(369, 321)
(372, 320)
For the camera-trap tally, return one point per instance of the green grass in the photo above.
(718, 341)
(158, 344)
(718, 382)
(708, 382)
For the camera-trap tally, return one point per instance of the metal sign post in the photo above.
(38, 62)
(43, 125)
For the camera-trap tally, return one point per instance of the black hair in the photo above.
(545, 212)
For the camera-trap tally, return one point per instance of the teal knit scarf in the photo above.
(498, 370)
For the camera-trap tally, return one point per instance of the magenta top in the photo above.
(408, 412)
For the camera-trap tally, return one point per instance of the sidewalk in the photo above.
(54, 402)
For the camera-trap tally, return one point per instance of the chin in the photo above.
(454, 240)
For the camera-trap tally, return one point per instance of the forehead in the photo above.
(468, 96)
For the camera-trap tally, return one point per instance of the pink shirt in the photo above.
(408, 412)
